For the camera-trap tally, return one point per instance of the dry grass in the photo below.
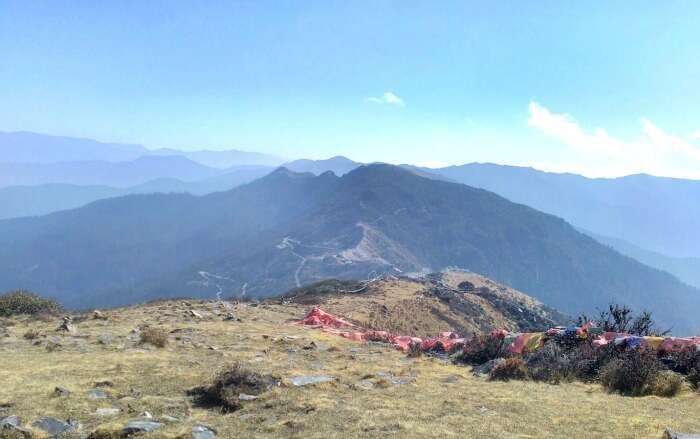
(439, 400)
(155, 336)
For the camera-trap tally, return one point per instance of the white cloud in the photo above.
(596, 153)
(695, 135)
(387, 98)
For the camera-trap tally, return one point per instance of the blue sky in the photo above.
(602, 88)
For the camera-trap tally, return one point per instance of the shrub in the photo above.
(549, 364)
(414, 350)
(23, 302)
(6, 433)
(693, 378)
(480, 349)
(619, 318)
(512, 369)
(666, 384)
(155, 336)
(686, 363)
(32, 334)
(228, 384)
(635, 372)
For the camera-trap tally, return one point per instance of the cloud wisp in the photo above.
(387, 98)
(598, 154)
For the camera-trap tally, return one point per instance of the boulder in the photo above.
(140, 426)
(311, 379)
(13, 424)
(203, 432)
(55, 427)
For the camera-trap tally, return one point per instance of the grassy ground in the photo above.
(378, 391)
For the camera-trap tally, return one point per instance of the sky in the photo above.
(601, 88)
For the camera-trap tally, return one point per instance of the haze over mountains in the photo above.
(279, 228)
(287, 228)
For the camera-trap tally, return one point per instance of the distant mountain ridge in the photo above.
(657, 213)
(33, 148)
(685, 269)
(116, 174)
(19, 201)
(287, 229)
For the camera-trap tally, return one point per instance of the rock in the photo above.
(66, 325)
(14, 421)
(96, 394)
(366, 384)
(147, 415)
(195, 314)
(203, 432)
(311, 379)
(230, 317)
(398, 381)
(670, 434)
(98, 315)
(486, 368)
(13, 424)
(107, 412)
(55, 427)
(139, 426)
(168, 418)
(104, 383)
(61, 391)
(246, 397)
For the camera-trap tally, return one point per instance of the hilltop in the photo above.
(107, 378)
(458, 301)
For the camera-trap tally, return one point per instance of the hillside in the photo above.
(290, 229)
(107, 378)
(466, 303)
(685, 269)
(655, 213)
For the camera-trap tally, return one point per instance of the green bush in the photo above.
(23, 302)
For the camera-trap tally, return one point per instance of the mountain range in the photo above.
(287, 229)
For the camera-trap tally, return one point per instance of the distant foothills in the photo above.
(102, 223)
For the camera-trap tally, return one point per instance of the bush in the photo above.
(619, 318)
(480, 349)
(32, 334)
(23, 302)
(666, 384)
(634, 373)
(414, 350)
(549, 364)
(686, 363)
(155, 336)
(228, 384)
(512, 369)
